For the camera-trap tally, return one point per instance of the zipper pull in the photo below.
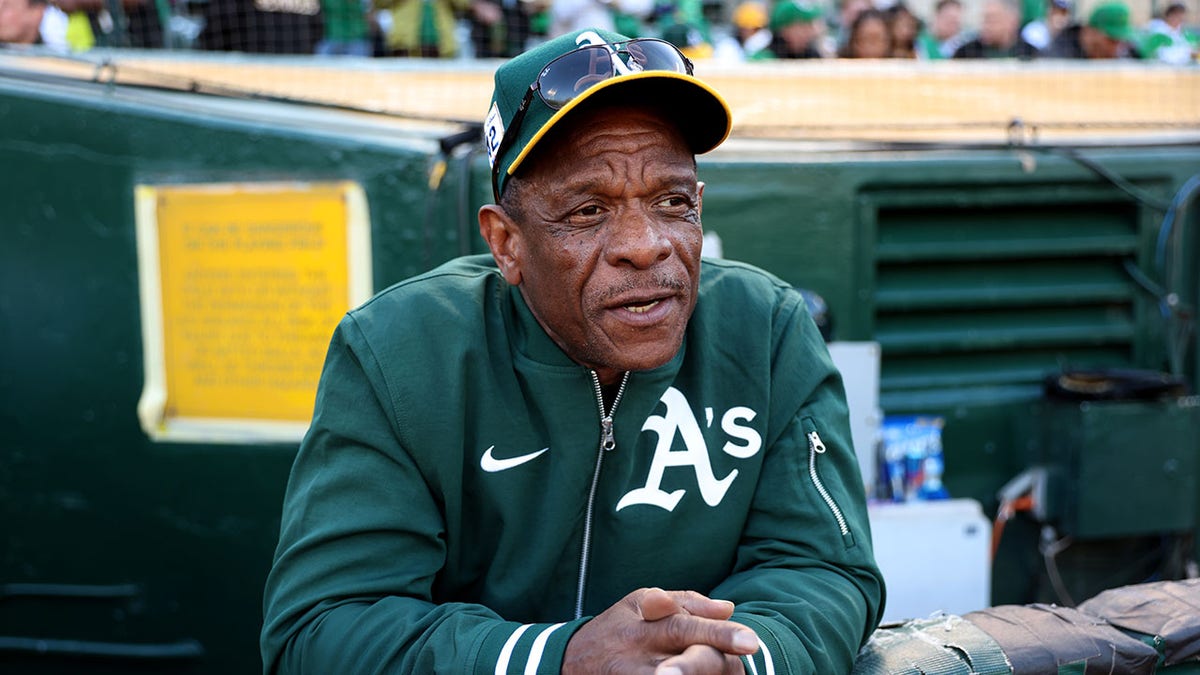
(815, 441)
(606, 433)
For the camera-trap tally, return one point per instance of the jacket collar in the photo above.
(531, 339)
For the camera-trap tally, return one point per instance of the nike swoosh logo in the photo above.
(492, 465)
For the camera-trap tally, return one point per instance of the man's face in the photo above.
(947, 22)
(1175, 17)
(607, 251)
(20, 21)
(1058, 18)
(799, 35)
(1098, 45)
(999, 26)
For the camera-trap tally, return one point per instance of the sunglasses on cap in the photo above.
(569, 75)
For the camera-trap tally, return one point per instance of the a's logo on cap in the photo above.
(592, 39)
(493, 133)
(589, 38)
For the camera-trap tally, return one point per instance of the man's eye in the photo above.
(674, 202)
(588, 211)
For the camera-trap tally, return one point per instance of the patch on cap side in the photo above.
(493, 132)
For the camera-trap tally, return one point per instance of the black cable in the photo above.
(1139, 195)
(1146, 283)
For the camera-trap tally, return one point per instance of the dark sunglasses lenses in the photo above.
(657, 55)
(571, 74)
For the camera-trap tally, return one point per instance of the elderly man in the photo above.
(591, 451)
(999, 34)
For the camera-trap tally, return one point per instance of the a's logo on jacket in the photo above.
(679, 419)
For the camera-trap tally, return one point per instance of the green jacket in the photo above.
(345, 20)
(436, 513)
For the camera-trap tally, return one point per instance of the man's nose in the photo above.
(638, 240)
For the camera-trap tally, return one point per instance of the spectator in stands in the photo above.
(1106, 35)
(262, 26)
(869, 37)
(848, 11)
(750, 32)
(796, 32)
(944, 34)
(347, 29)
(670, 13)
(21, 21)
(422, 28)
(1041, 32)
(128, 23)
(689, 39)
(502, 28)
(567, 16)
(905, 27)
(32, 22)
(1168, 39)
(999, 34)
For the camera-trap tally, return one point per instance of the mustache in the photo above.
(657, 282)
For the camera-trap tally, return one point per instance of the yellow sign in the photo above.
(242, 286)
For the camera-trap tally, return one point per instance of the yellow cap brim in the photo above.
(701, 113)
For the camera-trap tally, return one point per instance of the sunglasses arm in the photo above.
(510, 136)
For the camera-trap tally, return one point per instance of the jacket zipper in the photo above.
(607, 443)
(817, 447)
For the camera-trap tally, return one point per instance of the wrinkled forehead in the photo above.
(604, 119)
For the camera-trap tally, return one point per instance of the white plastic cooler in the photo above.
(935, 556)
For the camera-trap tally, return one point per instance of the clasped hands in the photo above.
(652, 631)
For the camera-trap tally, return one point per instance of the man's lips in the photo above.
(641, 308)
(646, 302)
(641, 302)
(645, 309)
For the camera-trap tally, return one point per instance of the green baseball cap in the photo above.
(699, 112)
(1112, 19)
(789, 12)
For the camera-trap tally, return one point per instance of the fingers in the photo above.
(688, 618)
(725, 636)
(651, 627)
(699, 605)
(700, 660)
(656, 604)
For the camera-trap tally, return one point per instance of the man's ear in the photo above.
(504, 239)
(699, 197)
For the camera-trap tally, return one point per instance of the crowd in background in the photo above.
(703, 29)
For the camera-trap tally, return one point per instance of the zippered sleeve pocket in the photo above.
(816, 453)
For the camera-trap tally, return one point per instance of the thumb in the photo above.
(655, 604)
